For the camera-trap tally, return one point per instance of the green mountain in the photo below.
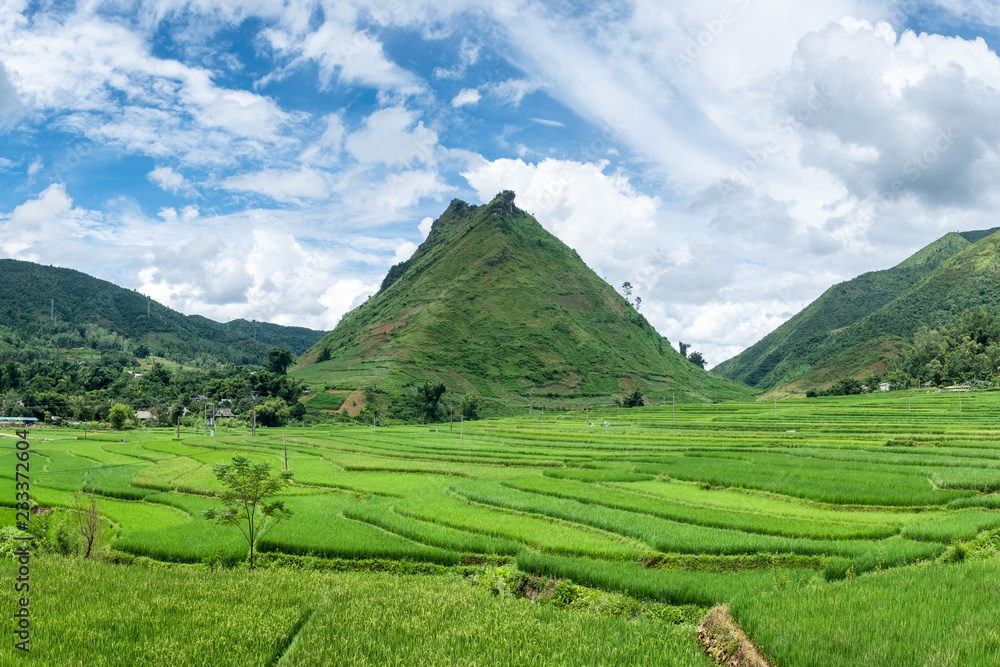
(46, 307)
(856, 325)
(492, 303)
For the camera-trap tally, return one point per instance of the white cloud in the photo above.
(513, 91)
(425, 227)
(547, 122)
(976, 12)
(383, 200)
(282, 185)
(404, 251)
(468, 55)
(325, 151)
(116, 91)
(340, 50)
(52, 205)
(922, 108)
(394, 137)
(170, 180)
(466, 97)
(11, 107)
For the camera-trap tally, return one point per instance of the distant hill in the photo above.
(856, 325)
(492, 303)
(49, 306)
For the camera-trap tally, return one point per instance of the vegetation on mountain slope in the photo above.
(881, 309)
(72, 345)
(45, 307)
(491, 303)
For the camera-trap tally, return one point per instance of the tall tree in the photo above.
(120, 415)
(278, 360)
(428, 397)
(697, 359)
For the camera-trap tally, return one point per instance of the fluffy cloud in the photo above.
(512, 91)
(394, 137)
(11, 107)
(282, 185)
(912, 115)
(340, 50)
(52, 205)
(466, 97)
(170, 180)
(425, 227)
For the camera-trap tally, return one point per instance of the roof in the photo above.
(143, 414)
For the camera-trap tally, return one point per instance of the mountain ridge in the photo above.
(65, 306)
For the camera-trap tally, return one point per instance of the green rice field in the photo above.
(855, 508)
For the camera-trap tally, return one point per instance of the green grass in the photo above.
(669, 586)
(846, 483)
(745, 521)
(86, 613)
(940, 615)
(380, 620)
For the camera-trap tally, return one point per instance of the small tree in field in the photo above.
(248, 488)
(88, 521)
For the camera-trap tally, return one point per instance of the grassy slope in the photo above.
(816, 333)
(27, 291)
(492, 302)
(967, 279)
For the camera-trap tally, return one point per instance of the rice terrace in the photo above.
(857, 530)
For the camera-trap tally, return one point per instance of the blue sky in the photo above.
(271, 160)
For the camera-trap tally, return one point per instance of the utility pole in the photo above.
(461, 435)
(959, 400)
(531, 398)
(451, 420)
(908, 389)
(775, 407)
(673, 407)
(373, 422)
(543, 415)
(284, 441)
(253, 423)
(178, 428)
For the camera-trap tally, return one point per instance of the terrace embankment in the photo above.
(725, 641)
